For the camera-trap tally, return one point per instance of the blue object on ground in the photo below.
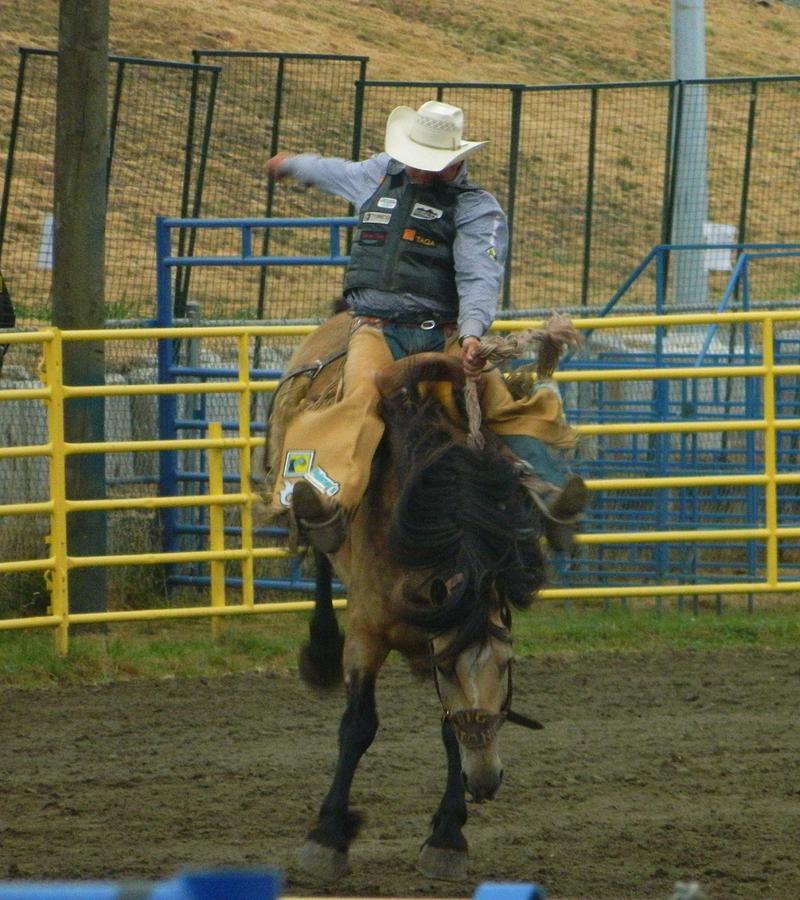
(500, 890)
(258, 884)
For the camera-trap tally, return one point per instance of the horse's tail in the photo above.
(320, 659)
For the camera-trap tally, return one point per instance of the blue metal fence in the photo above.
(183, 472)
(722, 398)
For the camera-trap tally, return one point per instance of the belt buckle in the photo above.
(427, 325)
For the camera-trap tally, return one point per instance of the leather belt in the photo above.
(425, 325)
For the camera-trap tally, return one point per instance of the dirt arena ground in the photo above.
(651, 769)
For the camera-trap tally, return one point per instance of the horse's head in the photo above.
(462, 516)
(474, 688)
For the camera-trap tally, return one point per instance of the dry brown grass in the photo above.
(546, 42)
(551, 41)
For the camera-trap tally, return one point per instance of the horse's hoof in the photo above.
(323, 864)
(448, 865)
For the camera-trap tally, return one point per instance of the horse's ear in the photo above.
(441, 588)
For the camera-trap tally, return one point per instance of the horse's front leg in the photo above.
(324, 855)
(444, 853)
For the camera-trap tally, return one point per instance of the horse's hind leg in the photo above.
(444, 853)
(320, 659)
(324, 855)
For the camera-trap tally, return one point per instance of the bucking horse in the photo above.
(443, 547)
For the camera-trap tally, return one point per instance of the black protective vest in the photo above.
(404, 239)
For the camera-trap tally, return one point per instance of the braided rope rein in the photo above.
(550, 341)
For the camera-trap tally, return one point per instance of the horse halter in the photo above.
(475, 728)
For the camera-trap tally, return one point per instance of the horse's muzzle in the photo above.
(476, 731)
(484, 785)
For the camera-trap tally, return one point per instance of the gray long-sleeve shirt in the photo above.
(479, 249)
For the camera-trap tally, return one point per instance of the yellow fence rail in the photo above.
(53, 393)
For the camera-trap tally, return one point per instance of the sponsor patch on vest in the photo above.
(298, 463)
(372, 237)
(423, 211)
(376, 218)
(387, 202)
(410, 234)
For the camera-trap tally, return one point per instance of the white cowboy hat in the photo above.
(428, 138)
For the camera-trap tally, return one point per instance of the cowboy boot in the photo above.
(560, 522)
(319, 520)
(571, 500)
(561, 508)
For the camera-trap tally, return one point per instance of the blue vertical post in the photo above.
(167, 403)
(333, 240)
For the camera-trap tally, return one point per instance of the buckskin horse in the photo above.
(445, 543)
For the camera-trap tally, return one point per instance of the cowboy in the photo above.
(426, 268)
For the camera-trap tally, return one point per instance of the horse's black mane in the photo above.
(463, 514)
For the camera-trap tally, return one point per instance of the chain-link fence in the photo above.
(266, 103)
(150, 170)
(592, 176)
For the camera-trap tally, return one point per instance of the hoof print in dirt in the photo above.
(322, 864)
(447, 865)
